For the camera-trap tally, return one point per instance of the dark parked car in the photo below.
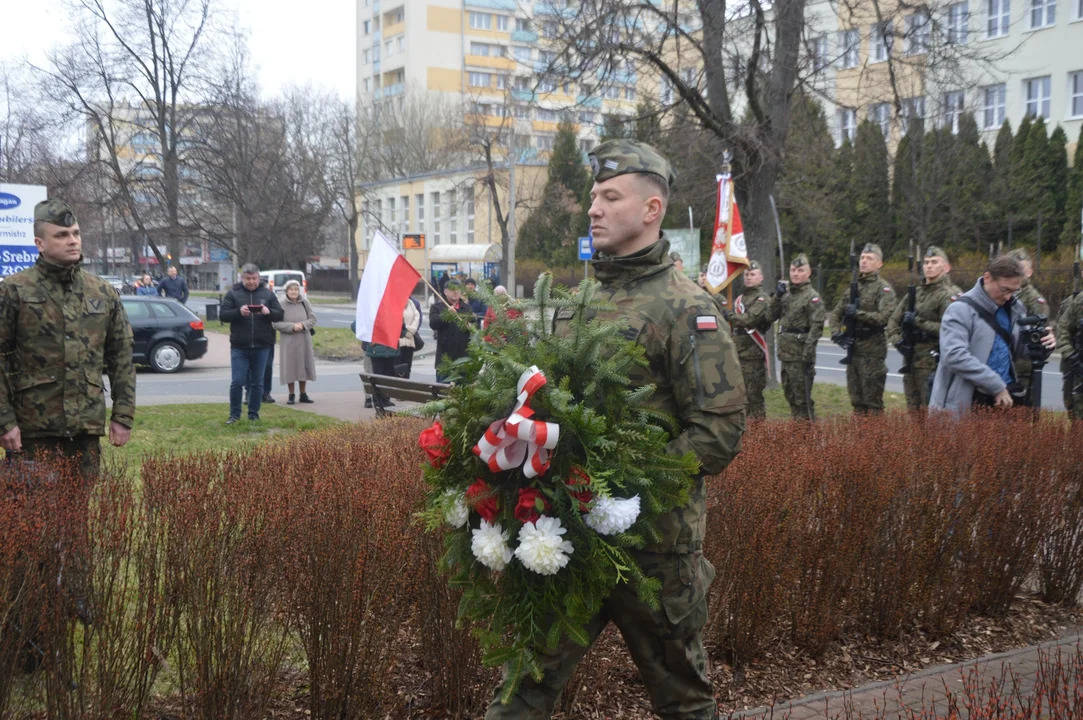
(165, 333)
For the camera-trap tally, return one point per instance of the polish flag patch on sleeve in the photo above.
(706, 322)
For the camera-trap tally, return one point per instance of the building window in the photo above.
(404, 202)
(368, 57)
(389, 49)
(402, 43)
(453, 218)
(376, 52)
(958, 17)
(419, 200)
(481, 21)
(436, 218)
(400, 16)
(546, 115)
(917, 33)
(392, 217)
(818, 51)
(545, 142)
(629, 93)
(522, 24)
(612, 92)
(1076, 91)
(847, 122)
(367, 25)
(850, 42)
(1079, 9)
(479, 49)
(479, 79)
(502, 23)
(368, 84)
(912, 109)
(522, 112)
(953, 108)
(1043, 13)
(523, 54)
(880, 35)
(1038, 91)
(1000, 18)
(880, 113)
(546, 86)
(665, 92)
(468, 197)
(993, 105)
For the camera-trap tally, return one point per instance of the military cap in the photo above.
(800, 261)
(873, 249)
(934, 251)
(753, 265)
(54, 212)
(617, 157)
(1020, 254)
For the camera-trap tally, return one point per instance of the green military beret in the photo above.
(800, 261)
(873, 249)
(617, 157)
(753, 265)
(1020, 254)
(934, 251)
(54, 212)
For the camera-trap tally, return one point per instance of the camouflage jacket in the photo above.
(757, 316)
(692, 363)
(930, 302)
(875, 302)
(60, 327)
(1035, 304)
(801, 312)
(1067, 331)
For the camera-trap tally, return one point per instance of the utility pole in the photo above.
(510, 279)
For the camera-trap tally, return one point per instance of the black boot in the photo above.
(305, 398)
(290, 400)
(268, 399)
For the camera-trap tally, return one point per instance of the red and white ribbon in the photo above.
(518, 440)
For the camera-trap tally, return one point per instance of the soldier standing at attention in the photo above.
(933, 296)
(801, 312)
(751, 320)
(1035, 305)
(693, 363)
(867, 373)
(59, 327)
(1069, 334)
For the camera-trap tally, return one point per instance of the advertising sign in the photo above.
(686, 244)
(17, 249)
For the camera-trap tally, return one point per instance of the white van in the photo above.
(277, 279)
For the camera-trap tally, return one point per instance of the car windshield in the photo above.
(282, 278)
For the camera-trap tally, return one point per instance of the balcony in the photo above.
(524, 36)
(589, 102)
(375, 67)
(507, 5)
(526, 96)
(393, 90)
(542, 9)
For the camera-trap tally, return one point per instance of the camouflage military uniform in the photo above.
(59, 327)
(1069, 341)
(801, 315)
(693, 364)
(867, 372)
(1035, 304)
(931, 300)
(756, 317)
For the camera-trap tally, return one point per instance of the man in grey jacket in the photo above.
(976, 362)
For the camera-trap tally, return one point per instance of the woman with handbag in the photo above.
(297, 359)
(409, 340)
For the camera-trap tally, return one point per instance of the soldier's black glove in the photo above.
(782, 288)
(727, 314)
(843, 340)
(851, 310)
(904, 349)
(909, 318)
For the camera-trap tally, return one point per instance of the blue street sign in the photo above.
(586, 247)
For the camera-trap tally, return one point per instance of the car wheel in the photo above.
(167, 357)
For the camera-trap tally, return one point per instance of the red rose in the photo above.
(579, 477)
(531, 505)
(435, 444)
(484, 500)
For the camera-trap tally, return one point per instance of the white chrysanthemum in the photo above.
(455, 511)
(540, 547)
(610, 516)
(490, 546)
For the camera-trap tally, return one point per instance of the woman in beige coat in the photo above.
(297, 360)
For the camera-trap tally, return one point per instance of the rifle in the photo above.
(906, 345)
(845, 339)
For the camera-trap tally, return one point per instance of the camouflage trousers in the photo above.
(793, 387)
(755, 374)
(917, 385)
(86, 449)
(665, 645)
(865, 379)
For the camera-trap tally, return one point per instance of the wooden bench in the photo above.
(379, 387)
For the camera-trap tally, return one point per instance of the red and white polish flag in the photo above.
(385, 287)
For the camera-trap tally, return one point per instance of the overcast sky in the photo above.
(291, 42)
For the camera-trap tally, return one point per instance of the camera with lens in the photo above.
(1032, 329)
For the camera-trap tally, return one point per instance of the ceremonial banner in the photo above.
(729, 255)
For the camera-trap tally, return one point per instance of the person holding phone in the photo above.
(250, 308)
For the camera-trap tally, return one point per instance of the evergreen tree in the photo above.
(1056, 166)
(845, 225)
(1018, 200)
(1001, 190)
(905, 185)
(970, 175)
(648, 124)
(869, 194)
(1073, 205)
(551, 232)
(1034, 185)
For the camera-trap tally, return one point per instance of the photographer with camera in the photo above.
(980, 336)
(250, 308)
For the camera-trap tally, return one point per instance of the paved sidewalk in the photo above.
(907, 696)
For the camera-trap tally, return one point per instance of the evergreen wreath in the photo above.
(536, 555)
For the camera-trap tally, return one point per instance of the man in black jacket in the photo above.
(452, 338)
(249, 308)
(174, 287)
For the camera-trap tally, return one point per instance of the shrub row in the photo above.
(226, 580)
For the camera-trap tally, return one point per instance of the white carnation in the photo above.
(490, 546)
(610, 516)
(455, 511)
(540, 547)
